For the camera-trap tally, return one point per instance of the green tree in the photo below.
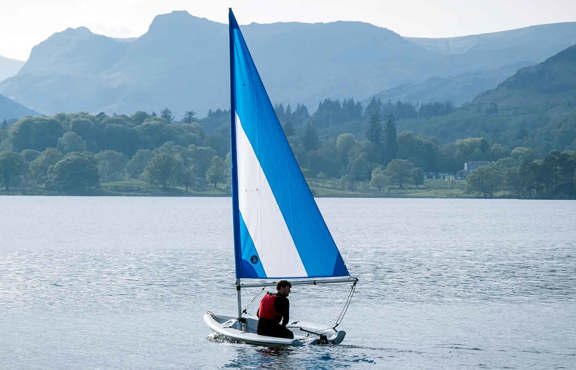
(152, 134)
(217, 171)
(374, 131)
(36, 133)
(420, 151)
(310, 138)
(75, 173)
(473, 149)
(40, 166)
(12, 169)
(346, 147)
(139, 117)
(498, 151)
(523, 154)
(189, 116)
(374, 108)
(378, 179)
(323, 161)
(348, 182)
(89, 131)
(119, 137)
(566, 175)
(29, 154)
(162, 169)
(199, 158)
(399, 172)
(374, 148)
(529, 178)
(137, 164)
(345, 143)
(418, 176)
(359, 169)
(185, 176)
(484, 180)
(167, 115)
(288, 128)
(111, 165)
(329, 113)
(508, 170)
(71, 142)
(558, 169)
(390, 150)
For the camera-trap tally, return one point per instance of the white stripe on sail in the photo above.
(262, 215)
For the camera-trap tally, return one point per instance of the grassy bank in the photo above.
(320, 188)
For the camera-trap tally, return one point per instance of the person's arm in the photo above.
(286, 315)
(282, 306)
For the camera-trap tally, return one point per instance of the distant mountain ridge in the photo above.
(528, 45)
(535, 107)
(549, 84)
(9, 67)
(11, 110)
(182, 63)
(457, 89)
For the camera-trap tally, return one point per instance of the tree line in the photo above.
(355, 147)
(77, 152)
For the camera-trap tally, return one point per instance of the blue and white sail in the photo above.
(279, 231)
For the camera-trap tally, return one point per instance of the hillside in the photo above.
(535, 107)
(10, 110)
(458, 89)
(9, 67)
(495, 56)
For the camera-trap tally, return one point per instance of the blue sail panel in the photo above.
(274, 202)
(249, 265)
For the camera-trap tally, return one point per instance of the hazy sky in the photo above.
(25, 23)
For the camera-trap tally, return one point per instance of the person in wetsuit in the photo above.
(274, 312)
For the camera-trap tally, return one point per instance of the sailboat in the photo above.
(279, 232)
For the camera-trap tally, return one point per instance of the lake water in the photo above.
(120, 282)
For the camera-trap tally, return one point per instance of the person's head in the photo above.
(283, 287)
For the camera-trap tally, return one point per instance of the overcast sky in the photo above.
(25, 23)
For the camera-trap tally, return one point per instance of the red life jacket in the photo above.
(267, 309)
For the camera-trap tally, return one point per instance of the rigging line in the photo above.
(245, 310)
(346, 305)
(342, 312)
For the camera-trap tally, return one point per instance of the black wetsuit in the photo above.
(277, 327)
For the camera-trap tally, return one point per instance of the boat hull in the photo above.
(304, 333)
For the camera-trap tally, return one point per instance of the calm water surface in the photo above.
(123, 282)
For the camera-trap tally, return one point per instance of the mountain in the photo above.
(535, 107)
(307, 63)
(458, 89)
(181, 63)
(64, 73)
(507, 50)
(529, 45)
(9, 67)
(549, 85)
(10, 110)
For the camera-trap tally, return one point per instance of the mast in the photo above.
(234, 166)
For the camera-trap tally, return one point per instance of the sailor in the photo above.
(274, 312)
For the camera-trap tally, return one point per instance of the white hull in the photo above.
(304, 333)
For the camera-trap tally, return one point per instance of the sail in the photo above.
(279, 231)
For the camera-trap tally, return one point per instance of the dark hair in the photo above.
(282, 284)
